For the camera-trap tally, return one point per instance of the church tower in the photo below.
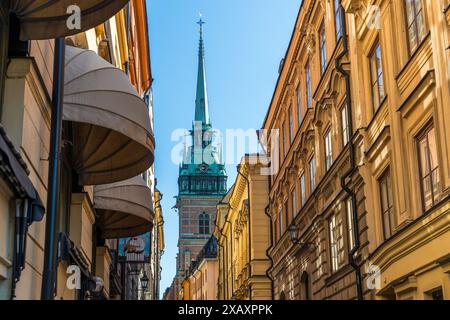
(202, 181)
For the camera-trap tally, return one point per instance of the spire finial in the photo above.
(201, 102)
(201, 23)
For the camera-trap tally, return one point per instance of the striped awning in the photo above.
(124, 209)
(49, 19)
(111, 129)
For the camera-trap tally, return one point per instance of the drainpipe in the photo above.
(249, 226)
(223, 268)
(54, 183)
(352, 169)
(266, 211)
(231, 256)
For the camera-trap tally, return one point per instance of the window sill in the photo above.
(337, 275)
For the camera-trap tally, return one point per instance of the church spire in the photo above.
(201, 101)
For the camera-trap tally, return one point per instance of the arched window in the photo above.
(203, 223)
(282, 296)
(304, 286)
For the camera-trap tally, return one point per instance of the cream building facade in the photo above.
(85, 227)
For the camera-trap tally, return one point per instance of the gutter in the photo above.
(352, 169)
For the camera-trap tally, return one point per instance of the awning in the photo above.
(124, 208)
(48, 19)
(112, 135)
(14, 172)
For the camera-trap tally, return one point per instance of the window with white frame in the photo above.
(338, 19)
(337, 249)
(349, 211)
(376, 76)
(345, 125)
(294, 202)
(328, 150)
(323, 48)
(281, 222)
(299, 105)
(302, 190)
(291, 124)
(312, 174)
(308, 85)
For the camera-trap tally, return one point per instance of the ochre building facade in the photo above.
(361, 106)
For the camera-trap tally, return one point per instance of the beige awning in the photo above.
(47, 19)
(124, 208)
(112, 135)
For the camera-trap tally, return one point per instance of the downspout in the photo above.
(231, 256)
(54, 183)
(266, 211)
(222, 252)
(249, 227)
(352, 169)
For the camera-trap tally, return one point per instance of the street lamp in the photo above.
(144, 281)
(295, 238)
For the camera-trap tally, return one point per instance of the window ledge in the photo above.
(337, 275)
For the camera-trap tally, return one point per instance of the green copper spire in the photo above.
(201, 101)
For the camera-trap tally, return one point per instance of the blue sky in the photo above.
(244, 43)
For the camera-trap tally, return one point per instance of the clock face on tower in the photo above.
(204, 167)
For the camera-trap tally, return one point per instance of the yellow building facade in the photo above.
(243, 233)
(360, 203)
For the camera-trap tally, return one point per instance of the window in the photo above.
(203, 223)
(429, 168)
(387, 206)
(276, 230)
(376, 76)
(336, 242)
(323, 48)
(436, 294)
(302, 190)
(281, 222)
(312, 174)
(345, 125)
(328, 150)
(285, 147)
(286, 213)
(349, 210)
(415, 23)
(319, 264)
(338, 19)
(291, 125)
(299, 106)
(304, 286)
(308, 85)
(294, 202)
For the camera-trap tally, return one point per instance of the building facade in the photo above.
(243, 233)
(363, 179)
(103, 195)
(201, 282)
(202, 181)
